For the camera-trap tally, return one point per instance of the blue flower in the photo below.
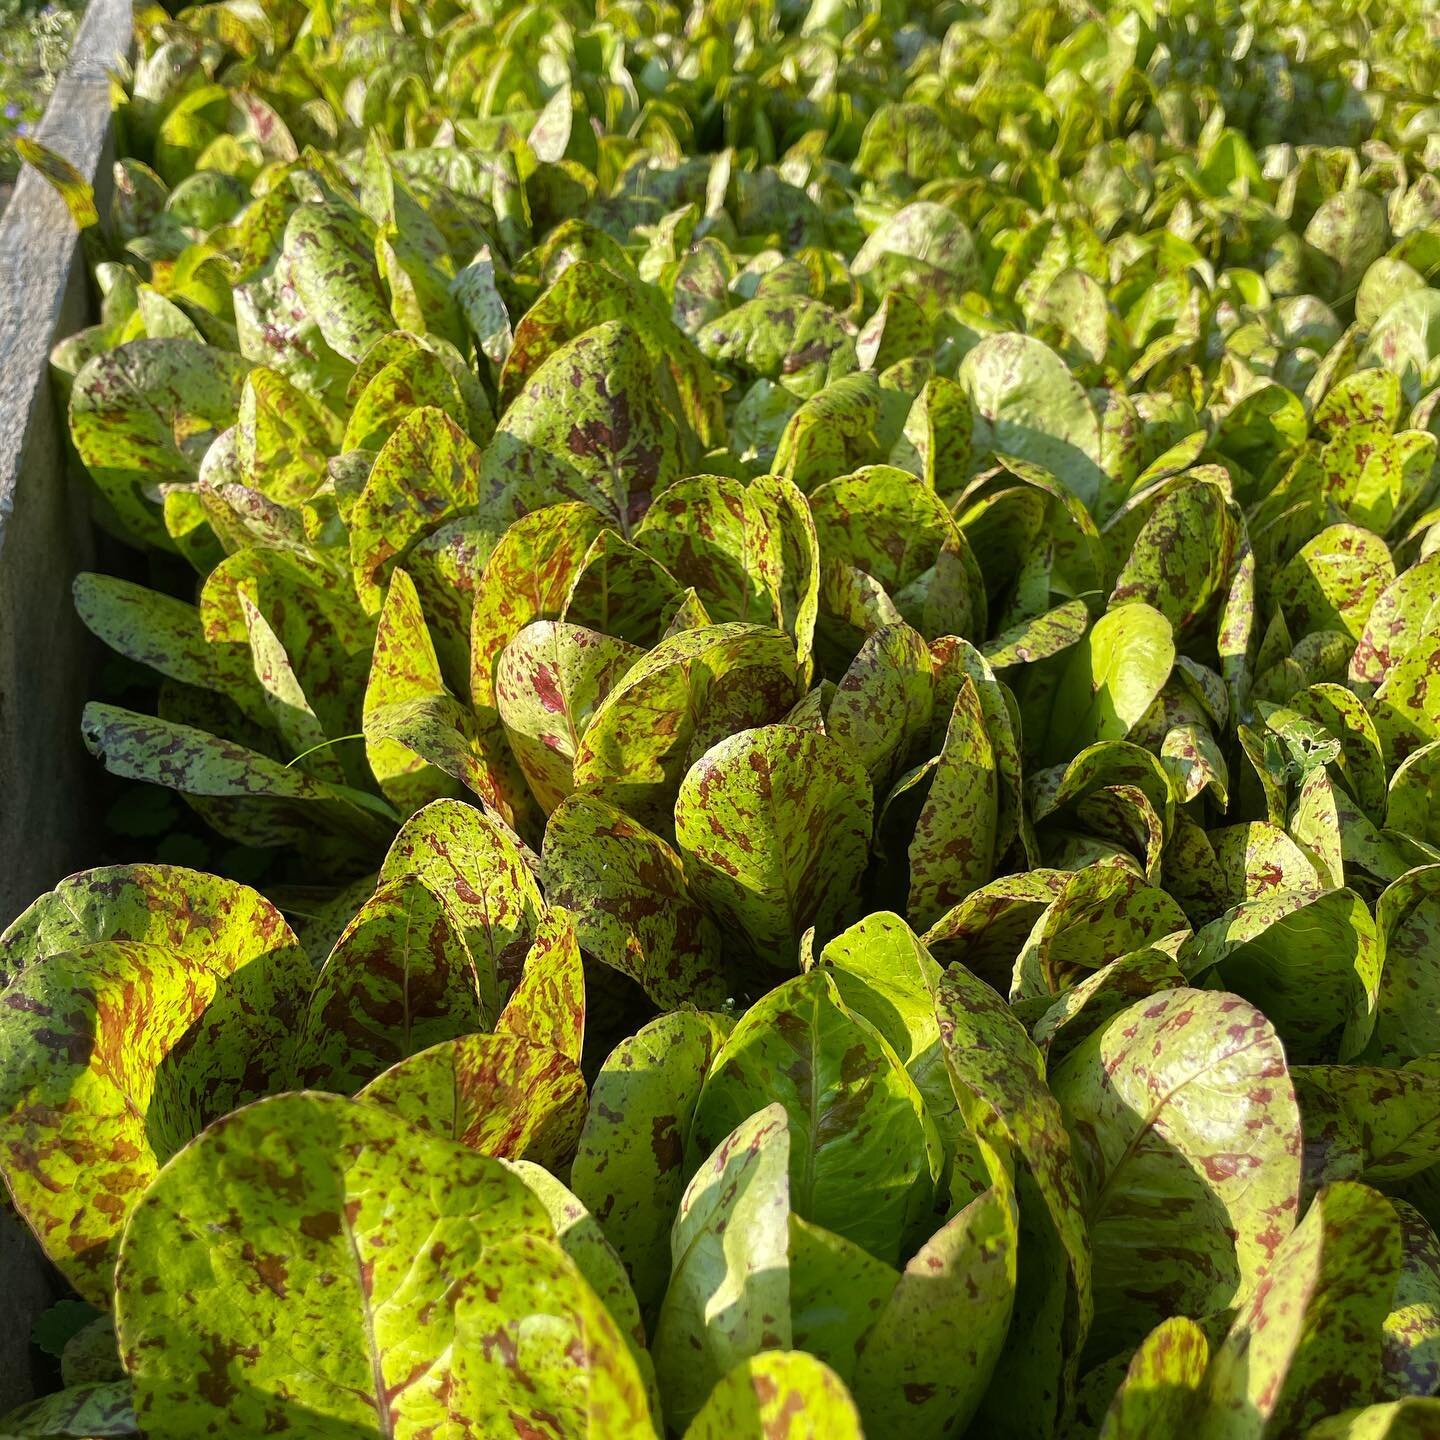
(12, 111)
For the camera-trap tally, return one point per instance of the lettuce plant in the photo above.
(839, 605)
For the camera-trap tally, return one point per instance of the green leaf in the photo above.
(773, 825)
(693, 689)
(312, 1229)
(476, 866)
(1310, 961)
(116, 1054)
(859, 1138)
(143, 415)
(332, 262)
(1307, 1344)
(589, 425)
(549, 682)
(629, 1165)
(929, 1356)
(95, 1412)
(1160, 1383)
(627, 892)
(1111, 678)
(729, 1293)
(1409, 1419)
(399, 980)
(1028, 405)
(778, 1395)
(1187, 1134)
(74, 189)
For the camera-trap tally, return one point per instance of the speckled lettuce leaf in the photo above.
(588, 294)
(954, 850)
(621, 591)
(1160, 1383)
(479, 870)
(693, 689)
(1090, 1003)
(1407, 915)
(428, 472)
(529, 576)
(1307, 1342)
(1411, 1339)
(863, 1157)
(1369, 1123)
(219, 922)
(1309, 959)
(1110, 679)
(928, 1358)
(1027, 404)
(549, 681)
(997, 1075)
(773, 825)
(631, 903)
(404, 667)
(1333, 581)
(322, 1259)
(888, 524)
(116, 1054)
(924, 251)
(1413, 1418)
(143, 415)
(1187, 1135)
(101, 1411)
(331, 255)
(1406, 705)
(778, 1395)
(883, 704)
(1405, 612)
(399, 980)
(799, 342)
(629, 1164)
(589, 425)
(547, 1007)
(831, 433)
(836, 1292)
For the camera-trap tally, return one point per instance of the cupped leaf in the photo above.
(631, 903)
(778, 1395)
(1187, 1134)
(859, 1138)
(774, 825)
(116, 1053)
(326, 1264)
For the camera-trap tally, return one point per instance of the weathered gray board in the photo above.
(44, 540)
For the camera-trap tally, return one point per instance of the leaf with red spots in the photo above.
(621, 591)
(1365, 1122)
(547, 1007)
(1408, 918)
(1414, 1418)
(883, 704)
(1187, 1135)
(481, 872)
(774, 826)
(1160, 1384)
(331, 254)
(778, 1395)
(313, 1260)
(630, 1164)
(864, 1155)
(549, 682)
(427, 473)
(219, 922)
(587, 294)
(729, 1292)
(143, 415)
(404, 667)
(590, 424)
(1309, 959)
(692, 690)
(632, 907)
(799, 342)
(116, 1054)
(1411, 1339)
(1307, 1342)
(927, 1360)
(102, 1411)
(399, 980)
(529, 576)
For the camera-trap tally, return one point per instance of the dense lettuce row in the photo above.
(840, 609)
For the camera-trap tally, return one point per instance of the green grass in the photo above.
(34, 40)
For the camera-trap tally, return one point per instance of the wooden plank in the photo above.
(45, 537)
